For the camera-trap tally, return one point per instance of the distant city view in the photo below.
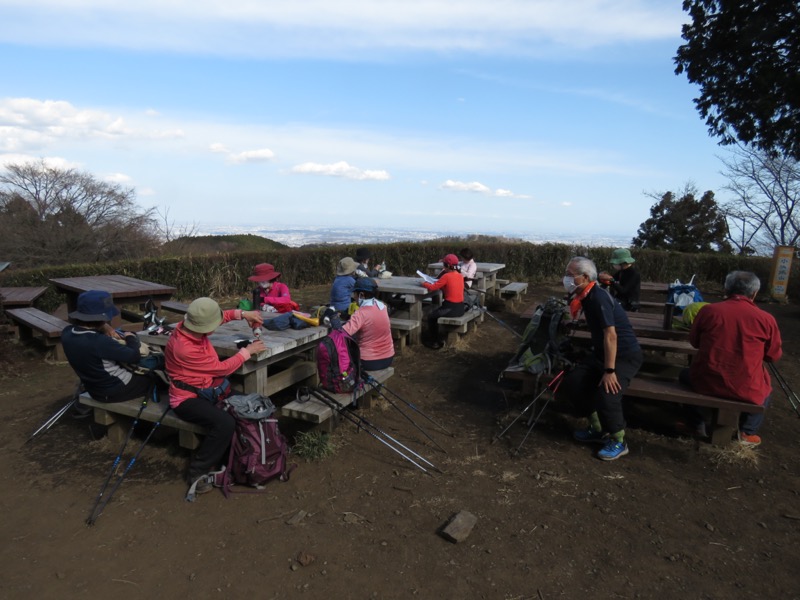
(296, 236)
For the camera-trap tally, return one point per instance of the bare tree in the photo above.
(763, 212)
(168, 231)
(50, 215)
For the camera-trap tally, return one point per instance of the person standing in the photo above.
(734, 338)
(452, 285)
(596, 385)
(625, 285)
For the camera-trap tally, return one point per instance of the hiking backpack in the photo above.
(544, 342)
(259, 450)
(338, 363)
(683, 294)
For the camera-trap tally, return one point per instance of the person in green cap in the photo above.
(626, 282)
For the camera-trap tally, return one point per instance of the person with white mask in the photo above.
(370, 327)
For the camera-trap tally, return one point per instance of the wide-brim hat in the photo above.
(622, 255)
(346, 266)
(203, 316)
(94, 306)
(363, 254)
(450, 259)
(264, 272)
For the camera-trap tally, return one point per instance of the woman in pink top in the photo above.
(370, 327)
(192, 361)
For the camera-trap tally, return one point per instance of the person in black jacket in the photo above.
(626, 282)
(97, 352)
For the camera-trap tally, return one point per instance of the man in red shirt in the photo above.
(452, 285)
(734, 338)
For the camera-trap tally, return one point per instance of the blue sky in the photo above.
(470, 116)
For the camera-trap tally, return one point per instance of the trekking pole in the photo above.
(791, 396)
(58, 414)
(370, 379)
(503, 323)
(117, 460)
(553, 385)
(360, 423)
(99, 507)
(377, 387)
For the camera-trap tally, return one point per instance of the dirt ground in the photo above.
(675, 518)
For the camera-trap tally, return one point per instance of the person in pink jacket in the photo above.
(194, 369)
(270, 295)
(370, 327)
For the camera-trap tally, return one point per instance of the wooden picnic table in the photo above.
(273, 370)
(485, 277)
(413, 294)
(653, 286)
(123, 290)
(21, 296)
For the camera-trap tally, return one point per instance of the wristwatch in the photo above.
(609, 371)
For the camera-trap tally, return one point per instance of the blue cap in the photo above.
(365, 284)
(94, 306)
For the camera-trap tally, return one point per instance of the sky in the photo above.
(466, 116)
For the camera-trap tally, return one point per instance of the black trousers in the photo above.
(137, 387)
(581, 387)
(376, 365)
(447, 309)
(214, 447)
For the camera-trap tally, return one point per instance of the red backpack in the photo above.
(338, 363)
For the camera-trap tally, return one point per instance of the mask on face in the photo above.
(265, 284)
(569, 283)
(617, 267)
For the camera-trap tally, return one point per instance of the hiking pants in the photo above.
(137, 387)
(581, 386)
(447, 309)
(214, 447)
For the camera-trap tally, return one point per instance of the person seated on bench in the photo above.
(733, 339)
(469, 267)
(452, 285)
(342, 288)
(363, 256)
(371, 328)
(625, 285)
(192, 362)
(98, 353)
(271, 295)
(596, 385)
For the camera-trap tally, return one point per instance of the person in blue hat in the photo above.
(97, 352)
(370, 327)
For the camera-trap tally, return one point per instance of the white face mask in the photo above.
(617, 267)
(569, 283)
(265, 284)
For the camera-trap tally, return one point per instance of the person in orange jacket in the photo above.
(451, 283)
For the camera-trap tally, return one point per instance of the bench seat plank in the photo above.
(33, 322)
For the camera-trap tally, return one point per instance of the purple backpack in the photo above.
(337, 363)
(258, 449)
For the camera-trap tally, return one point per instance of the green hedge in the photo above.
(221, 275)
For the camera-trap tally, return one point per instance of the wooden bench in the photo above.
(316, 411)
(455, 326)
(404, 330)
(119, 415)
(502, 282)
(514, 290)
(33, 322)
(175, 307)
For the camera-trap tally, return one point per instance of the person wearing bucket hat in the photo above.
(192, 365)
(271, 295)
(98, 353)
(343, 284)
(452, 285)
(625, 285)
(370, 327)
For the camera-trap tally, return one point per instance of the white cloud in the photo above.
(341, 169)
(52, 161)
(566, 204)
(479, 188)
(120, 178)
(346, 27)
(248, 156)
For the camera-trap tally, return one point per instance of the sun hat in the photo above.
(347, 266)
(363, 254)
(451, 260)
(622, 255)
(203, 316)
(264, 272)
(94, 306)
(366, 284)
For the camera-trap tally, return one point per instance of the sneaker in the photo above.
(203, 486)
(745, 439)
(590, 436)
(81, 411)
(612, 450)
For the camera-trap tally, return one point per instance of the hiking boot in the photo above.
(590, 436)
(81, 411)
(746, 439)
(612, 450)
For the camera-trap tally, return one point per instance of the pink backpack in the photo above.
(338, 363)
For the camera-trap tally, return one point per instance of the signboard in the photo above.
(779, 277)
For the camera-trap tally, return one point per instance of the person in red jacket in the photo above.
(734, 338)
(192, 361)
(271, 295)
(452, 285)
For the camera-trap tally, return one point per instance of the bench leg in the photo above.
(118, 430)
(188, 439)
(724, 424)
(452, 338)
(58, 353)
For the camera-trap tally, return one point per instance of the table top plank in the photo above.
(483, 267)
(119, 286)
(21, 296)
(402, 285)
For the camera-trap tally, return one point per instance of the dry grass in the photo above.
(734, 454)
